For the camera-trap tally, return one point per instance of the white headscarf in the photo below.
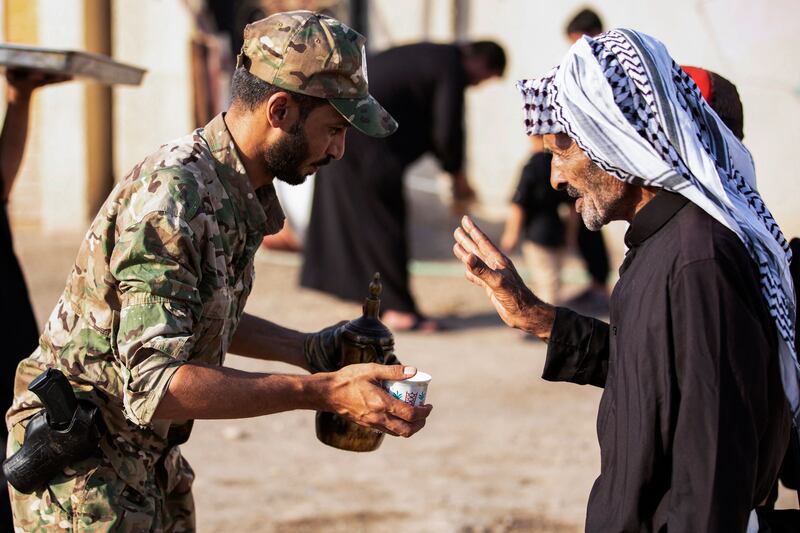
(640, 117)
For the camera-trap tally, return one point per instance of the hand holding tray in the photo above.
(71, 63)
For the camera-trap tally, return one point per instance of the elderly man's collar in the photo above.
(653, 216)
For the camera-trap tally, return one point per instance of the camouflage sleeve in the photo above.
(157, 262)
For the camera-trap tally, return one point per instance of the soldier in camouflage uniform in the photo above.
(156, 297)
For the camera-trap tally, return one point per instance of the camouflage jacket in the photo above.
(161, 278)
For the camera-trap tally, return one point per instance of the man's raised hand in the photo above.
(22, 82)
(487, 267)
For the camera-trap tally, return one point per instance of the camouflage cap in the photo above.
(310, 53)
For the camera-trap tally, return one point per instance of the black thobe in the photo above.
(693, 422)
(18, 328)
(20, 334)
(358, 215)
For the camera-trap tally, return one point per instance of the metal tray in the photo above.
(72, 62)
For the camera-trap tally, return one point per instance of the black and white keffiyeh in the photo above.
(640, 117)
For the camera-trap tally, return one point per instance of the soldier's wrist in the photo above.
(317, 391)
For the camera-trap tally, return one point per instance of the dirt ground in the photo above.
(503, 450)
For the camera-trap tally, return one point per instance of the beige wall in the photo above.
(154, 35)
(752, 43)
(57, 156)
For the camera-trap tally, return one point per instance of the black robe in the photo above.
(18, 328)
(358, 215)
(20, 334)
(693, 422)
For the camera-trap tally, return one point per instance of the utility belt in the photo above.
(66, 431)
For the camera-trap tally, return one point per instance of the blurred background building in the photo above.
(84, 136)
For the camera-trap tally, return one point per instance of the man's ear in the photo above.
(279, 108)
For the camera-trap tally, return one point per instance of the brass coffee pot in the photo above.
(363, 340)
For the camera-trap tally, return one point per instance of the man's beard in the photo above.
(591, 218)
(599, 206)
(284, 158)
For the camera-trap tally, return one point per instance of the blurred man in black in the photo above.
(592, 247)
(358, 216)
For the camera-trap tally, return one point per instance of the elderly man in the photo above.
(698, 359)
(156, 297)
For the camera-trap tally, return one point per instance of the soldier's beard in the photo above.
(284, 159)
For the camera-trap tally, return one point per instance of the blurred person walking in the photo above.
(536, 220)
(156, 297)
(590, 244)
(18, 329)
(547, 235)
(698, 363)
(358, 215)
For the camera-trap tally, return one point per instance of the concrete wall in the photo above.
(58, 150)
(752, 43)
(154, 35)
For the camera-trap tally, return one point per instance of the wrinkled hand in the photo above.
(487, 267)
(322, 349)
(355, 393)
(21, 82)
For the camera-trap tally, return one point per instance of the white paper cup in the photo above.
(413, 391)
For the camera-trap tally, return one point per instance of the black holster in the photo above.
(47, 451)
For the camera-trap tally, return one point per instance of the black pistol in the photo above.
(67, 430)
(56, 396)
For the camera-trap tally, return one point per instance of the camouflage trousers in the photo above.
(89, 496)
